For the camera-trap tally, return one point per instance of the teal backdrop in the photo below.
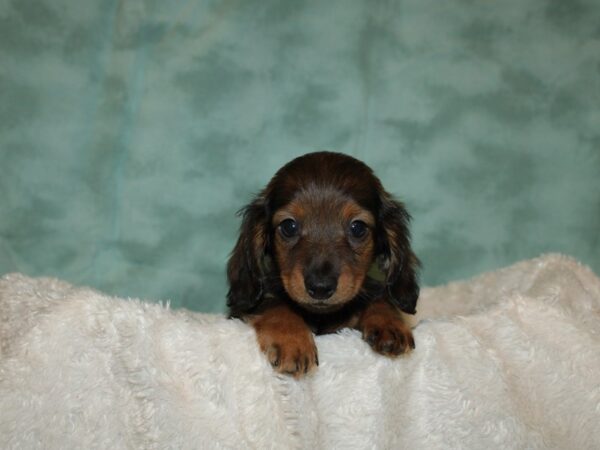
(132, 131)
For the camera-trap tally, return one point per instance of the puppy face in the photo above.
(313, 234)
(324, 246)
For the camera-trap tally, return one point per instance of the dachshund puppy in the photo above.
(323, 247)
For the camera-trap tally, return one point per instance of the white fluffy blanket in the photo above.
(510, 359)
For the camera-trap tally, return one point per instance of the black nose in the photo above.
(320, 288)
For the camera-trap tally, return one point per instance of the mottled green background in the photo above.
(132, 131)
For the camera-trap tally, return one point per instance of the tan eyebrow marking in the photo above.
(352, 211)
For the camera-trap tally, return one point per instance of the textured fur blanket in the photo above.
(510, 359)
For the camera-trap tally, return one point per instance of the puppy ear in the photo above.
(395, 256)
(246, 266)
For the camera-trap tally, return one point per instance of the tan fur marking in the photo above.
(384, 330)
(286, 340)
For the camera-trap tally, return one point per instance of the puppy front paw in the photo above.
(383, 329)
(390, 339)
(290, 355)
(287, 341)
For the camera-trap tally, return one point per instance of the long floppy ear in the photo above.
(395, 256)
(246, 266)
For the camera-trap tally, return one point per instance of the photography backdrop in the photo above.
(132, 131)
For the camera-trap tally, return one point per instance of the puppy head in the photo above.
(323, 244)
(315, 231)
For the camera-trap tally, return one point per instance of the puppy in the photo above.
(321, 248)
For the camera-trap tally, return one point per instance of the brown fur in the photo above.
(286, 340)
(314, 276)
(383, 328)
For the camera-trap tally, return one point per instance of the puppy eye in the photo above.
(358, 229)
(289, 228)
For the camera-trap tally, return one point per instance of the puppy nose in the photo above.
(320, 288)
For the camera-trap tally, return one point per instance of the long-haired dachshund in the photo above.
(323, 247)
